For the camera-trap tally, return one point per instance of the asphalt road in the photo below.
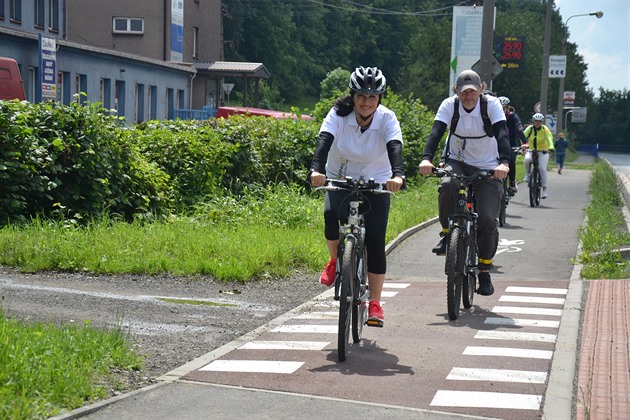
(495, 361)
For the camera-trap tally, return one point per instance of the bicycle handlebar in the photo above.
(355, 184)
(483, 174)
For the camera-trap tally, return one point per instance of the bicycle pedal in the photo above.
(374, 323)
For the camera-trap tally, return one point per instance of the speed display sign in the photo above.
(510, 52)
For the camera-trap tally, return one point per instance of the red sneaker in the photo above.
(328, 276)
(376, 317)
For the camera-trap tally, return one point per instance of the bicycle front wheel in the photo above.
(534, 188)
(470, 278)
(361, 300)
(348, 270)
(454, 271)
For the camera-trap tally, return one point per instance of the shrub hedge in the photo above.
(79, 162)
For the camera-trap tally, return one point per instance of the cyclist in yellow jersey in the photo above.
(539, 138)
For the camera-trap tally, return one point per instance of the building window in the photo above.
(39, 14)
(15, 10)
(195, 42)
(1, 9)
(53, 15)
(128, 25)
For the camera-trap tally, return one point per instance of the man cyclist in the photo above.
(517, 138)
(471, 147)
(539, 138)
(360, 137)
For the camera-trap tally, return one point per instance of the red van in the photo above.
(226, 111)
(11, 86)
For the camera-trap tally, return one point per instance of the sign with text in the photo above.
(510, 52)
(578, 115)
(557, 65)
(569, 98)
(48, 67)
(465, 39)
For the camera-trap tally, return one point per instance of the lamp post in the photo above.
(559, 122)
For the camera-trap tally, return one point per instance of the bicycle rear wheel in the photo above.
(504, 204)
(532, 187)
(361, 300)
(348, 270)
(454, 271)
(470, 280)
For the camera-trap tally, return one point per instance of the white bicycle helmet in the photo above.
(538, 117)
(505, 101)
(368, 80)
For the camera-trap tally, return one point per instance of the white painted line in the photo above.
(313, 329)
(540, 290)
(284, 345)
(508, 352)
(396, 285)
(518, 336)
(253, 366)
(486, 400)
(318, 315)
(386, 293)
(527, 310)
(497, 375)
(522, 322)
(532, 299)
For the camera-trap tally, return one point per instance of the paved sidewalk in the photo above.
(604, 363)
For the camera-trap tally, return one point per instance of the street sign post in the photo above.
(227, 88)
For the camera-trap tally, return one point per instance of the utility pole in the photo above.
(544, 80)
(487, 42)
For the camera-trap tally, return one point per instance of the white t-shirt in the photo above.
(356, 154)
(483, 152)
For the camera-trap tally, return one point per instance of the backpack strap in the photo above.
(483, 104)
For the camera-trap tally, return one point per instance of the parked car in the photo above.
(226, 111)
(11, 86)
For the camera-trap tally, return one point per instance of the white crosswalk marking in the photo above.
(522, 322)
(497, 375)
(486, 399)
(526, 310)
(508, 352)
(284, 345)
(539, 290)
(519, 336)
(532, 299)
(257, 366)
(312, 329)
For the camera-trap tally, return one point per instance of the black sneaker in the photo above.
(485, 285)
(440, 248)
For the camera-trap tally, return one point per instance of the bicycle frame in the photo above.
(351, 286)
(535, 181)
(460, 265)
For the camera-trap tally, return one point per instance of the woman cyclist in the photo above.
(539, 138)
(360, 137)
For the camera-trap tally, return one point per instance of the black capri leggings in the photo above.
(376, 214)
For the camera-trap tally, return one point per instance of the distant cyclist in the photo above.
(517, 138)
(539, 138)
(471, 146)
(360, 137)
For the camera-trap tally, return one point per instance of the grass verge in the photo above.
(45, 370)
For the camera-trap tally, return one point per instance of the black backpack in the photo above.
(487, 124)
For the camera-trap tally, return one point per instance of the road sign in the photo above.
(568, 98)
(227, 88)
(537, 107)
(557, 65)
(578, 115)
(550, 122)
(496, 67)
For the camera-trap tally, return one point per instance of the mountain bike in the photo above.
(461, 247)
(534, 182)
(506, 196)
(351, 285)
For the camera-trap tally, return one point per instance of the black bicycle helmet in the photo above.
(368, 80)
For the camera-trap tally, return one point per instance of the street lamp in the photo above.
(559, 121)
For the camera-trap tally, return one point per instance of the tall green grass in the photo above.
(606, 229)
(268, 232)
(46, 370)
